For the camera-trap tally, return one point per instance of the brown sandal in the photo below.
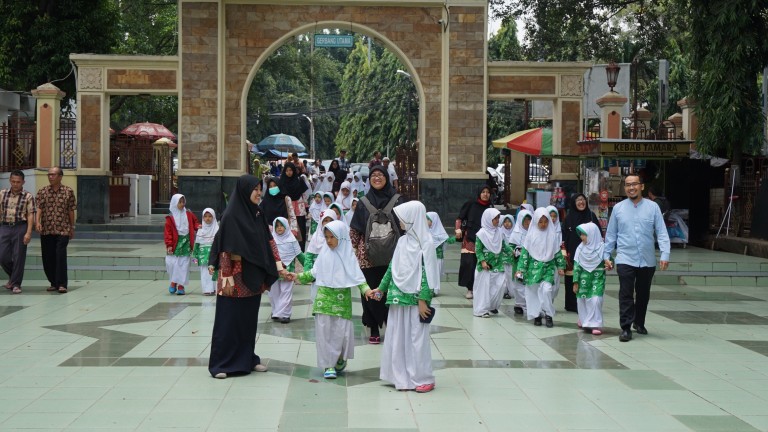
(16, 290)
(62, 290)
(51, 289)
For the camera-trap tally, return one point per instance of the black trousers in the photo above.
(634, 294)
(53, 249)
(13, 252)
(570, 297)
(302, 222)
(467, 266)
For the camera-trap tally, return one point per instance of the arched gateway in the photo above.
(223, 43)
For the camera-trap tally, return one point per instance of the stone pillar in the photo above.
(677, 120)
(690, 121)
(610, 114)
(48, 115)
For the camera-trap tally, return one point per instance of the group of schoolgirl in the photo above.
(522, 258)
(332, 268)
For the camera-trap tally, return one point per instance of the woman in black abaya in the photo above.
(578, 213)
(467, 226)
(246, 257)
(292, 185)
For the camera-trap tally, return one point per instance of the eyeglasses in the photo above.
(377, 176)
(631, 184)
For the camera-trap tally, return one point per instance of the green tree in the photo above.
(37, 38)
(729, 51)
(504, 44)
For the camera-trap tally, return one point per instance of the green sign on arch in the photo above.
(334, 41)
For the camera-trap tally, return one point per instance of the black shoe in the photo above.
(285, 320)
(495, 311)
(537, 321)
(550, 323)
(625, 336)
(640, 329)
(507, 296)
(274, 318)
(518, 310)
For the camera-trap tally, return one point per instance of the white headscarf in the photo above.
(349, 178)
(317, 242)
(439, 235)
(357, 182)
(338, 267)
(326, 183)
(329, 195)
(344, 202)
(589, 255)
(179, 216)
(208, 231)
(507, 232)
(351, 212)
(558, 227)
(527, 207)
(519, 232)
(413, 248)
(316, 208)
(490, 235)
(541, 245)
(287, 245)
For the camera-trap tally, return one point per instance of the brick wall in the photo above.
(466, 108)
(571, 118)
(199, 56)
(90, 131)
(533, 85)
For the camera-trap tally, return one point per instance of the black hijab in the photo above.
(243, 231)
(273, 206)
(471, 214)
(292, 186)
(378, 198)
(573, 219)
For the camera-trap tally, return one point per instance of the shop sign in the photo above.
(654, 149)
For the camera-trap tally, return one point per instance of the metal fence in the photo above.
(407, 169)
(68, 140)
(17, 143)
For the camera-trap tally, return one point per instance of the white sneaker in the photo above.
(260, 368)
(220, 375)
(469, 295)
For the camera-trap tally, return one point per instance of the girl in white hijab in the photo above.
(439, 236)
(589, 278)
(202, 249)
(516, 241)
(490, 249)
(406, 360)
(180, 227)
(554, 214)
(335, 272)
(315, 209)
(358, 184)
(351, 212)
(344, 198)
(507, 226)
(281, 292)
(315, 245)
(539, 260)
(326, 183)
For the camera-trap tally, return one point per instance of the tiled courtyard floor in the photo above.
(126, 355)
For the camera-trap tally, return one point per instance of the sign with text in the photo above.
(645, 148)
(334, 41)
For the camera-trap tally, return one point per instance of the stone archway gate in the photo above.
(224, 42)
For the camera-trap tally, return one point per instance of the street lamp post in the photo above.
(311, 136)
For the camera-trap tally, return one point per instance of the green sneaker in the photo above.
(329, 373)
(341, 365)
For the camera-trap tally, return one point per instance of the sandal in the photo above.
(62, 290)
(16, 290)
(374, 340)
(51, 289)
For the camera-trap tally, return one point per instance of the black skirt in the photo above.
(467, 267)
(374, 312)
(234, 335)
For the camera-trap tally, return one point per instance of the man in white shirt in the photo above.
(390, 170)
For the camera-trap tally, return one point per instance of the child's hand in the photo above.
(194, 261)
(575, 288)
(169, 250)
(485, 265)
(211, 269)
(608, 265)
(561, 272)
(424, 311)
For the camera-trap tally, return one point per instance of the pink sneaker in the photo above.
(425, 388)
(597, 332)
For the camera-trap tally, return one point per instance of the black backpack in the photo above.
(381, 233)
